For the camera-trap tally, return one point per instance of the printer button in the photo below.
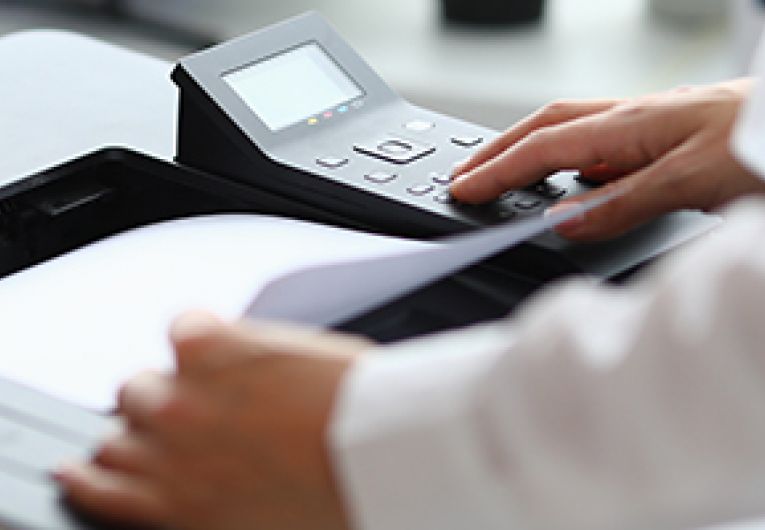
(419, 125)
(528, 203)
(394, 149)
(422, 189)
(332, 162)
(506, 214)
(380, 177)
(440, 178)
(444, 198)
(549, 190)
(466, 141)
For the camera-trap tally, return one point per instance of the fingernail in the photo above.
(459, 180)
(454, 187)
(570, 226)
(192, 325)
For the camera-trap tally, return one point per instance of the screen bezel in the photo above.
(207, 69)
(300, 122)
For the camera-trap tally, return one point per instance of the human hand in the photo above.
(234, 440)
(656, 154)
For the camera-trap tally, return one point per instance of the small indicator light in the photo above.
(328, 114)
(342, 110)
(312, 121)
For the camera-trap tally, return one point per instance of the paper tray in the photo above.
(113, 190)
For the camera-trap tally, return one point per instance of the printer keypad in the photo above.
(433, 187)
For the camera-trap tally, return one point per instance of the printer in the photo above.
(287, 121)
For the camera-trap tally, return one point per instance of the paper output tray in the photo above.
(113, 190)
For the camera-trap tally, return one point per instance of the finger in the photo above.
(553, 114)
(109, 495)
(602, 173)
(637, 199)
(532, 159)
(203, 344)
(618, 138)
(127, 452)
(145, 400)
(278, 337)
(196, 338)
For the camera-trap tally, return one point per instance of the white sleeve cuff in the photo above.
(749, 135)
(404, 455)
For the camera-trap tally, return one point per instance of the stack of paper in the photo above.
(80, 325)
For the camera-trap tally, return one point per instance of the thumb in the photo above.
(203, 342)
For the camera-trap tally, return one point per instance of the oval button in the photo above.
(395, 147)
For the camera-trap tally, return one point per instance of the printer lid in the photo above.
(64, 95)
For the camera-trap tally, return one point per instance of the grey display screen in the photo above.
(294, 86)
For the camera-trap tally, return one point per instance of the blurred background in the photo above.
(489, 61)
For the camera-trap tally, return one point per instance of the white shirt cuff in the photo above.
(402, 451)
(749, 135)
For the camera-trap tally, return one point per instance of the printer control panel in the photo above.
(294, 111)
(296, 95)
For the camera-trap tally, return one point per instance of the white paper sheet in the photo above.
(78, 326)
(338, 292)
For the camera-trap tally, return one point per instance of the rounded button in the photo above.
(549, 190)
(395, 147)
(467, 141)
(422, 189)
(440, 178)
(419, 125)
(332, 162)
(506, 213)
(444, 198)
(528, 203)
(380, 177)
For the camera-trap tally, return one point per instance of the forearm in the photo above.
(606, 409)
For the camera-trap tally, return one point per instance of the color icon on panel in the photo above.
(342, 110)
(312, 121)
(328, 114)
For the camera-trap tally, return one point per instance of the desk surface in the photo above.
(63, 95)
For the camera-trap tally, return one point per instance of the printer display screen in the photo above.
(301, 84)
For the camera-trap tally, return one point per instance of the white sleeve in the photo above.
(749, 136)
(599, 408)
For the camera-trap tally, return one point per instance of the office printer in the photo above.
(67, 101)
(242, 132)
